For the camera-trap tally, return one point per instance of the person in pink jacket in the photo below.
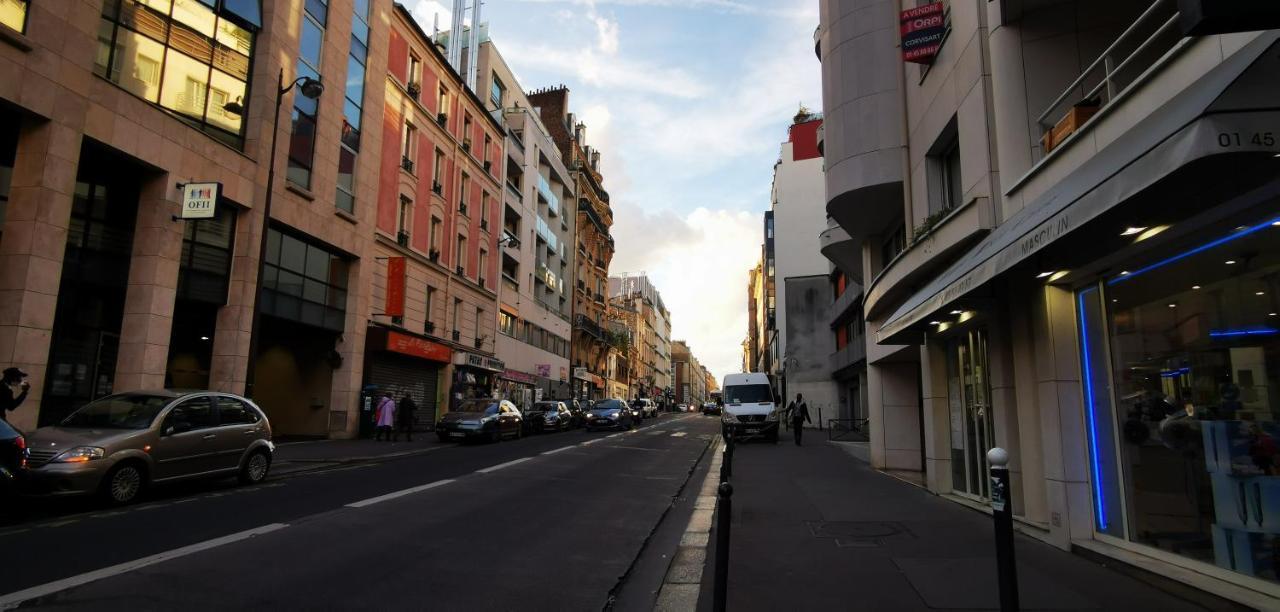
(385, 417)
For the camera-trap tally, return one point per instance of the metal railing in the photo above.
(848, 430)
(1146, 40)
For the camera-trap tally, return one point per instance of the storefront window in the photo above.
(190, 57)
(1194, 344)
(13, 13)
(304, 282)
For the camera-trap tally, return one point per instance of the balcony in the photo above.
(442, 119)
(850, 355)
(437, 188)
(406, 163)
(514, 190)
(402, 238)
(850, 300)
(588, 327)
(841, 250)
(510, 288)
(548, 236)
(544, 191)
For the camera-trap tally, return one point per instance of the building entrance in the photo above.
(972, 429)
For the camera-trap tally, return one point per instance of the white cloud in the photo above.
(425, 12)
(607, 30)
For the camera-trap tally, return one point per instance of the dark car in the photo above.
(710, 408)
(489, 419)
(610, 414)
(13, 457)
(577, 412)
(548, 416)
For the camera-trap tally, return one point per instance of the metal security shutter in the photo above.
(401, 375)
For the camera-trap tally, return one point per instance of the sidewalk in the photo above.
(295, 457)
(816, 529)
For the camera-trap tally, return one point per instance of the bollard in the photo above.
(727, 466)
(1002, 514)
(724, 513)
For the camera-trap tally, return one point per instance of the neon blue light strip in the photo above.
(1093, 429)
(1262, 331)
(1200, 249)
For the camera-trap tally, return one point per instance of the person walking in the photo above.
(798, 412)
(8, 401)
(385, 416)
(404, 418)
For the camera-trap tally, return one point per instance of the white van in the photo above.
(750, 407)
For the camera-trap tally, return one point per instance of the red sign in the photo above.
(395, 287)
(417, 347)
(923, 29)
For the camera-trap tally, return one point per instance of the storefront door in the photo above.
(972, 431)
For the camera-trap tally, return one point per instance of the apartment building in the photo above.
(537, 252)
(1060, 217)
(109, 110)
(690, 377)
(434, 302)
(648, 322)
(595, 247)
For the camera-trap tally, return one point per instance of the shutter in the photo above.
(399, 374)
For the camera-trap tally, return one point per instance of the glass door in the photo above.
(972, 426)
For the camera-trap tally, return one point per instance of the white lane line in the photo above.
(11, 600)
(494, 468)
(614, 435)
(654, 433)
(401, 493)
(558, 450)
(678, 434)
(590, 442)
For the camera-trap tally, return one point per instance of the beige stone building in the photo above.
(108, 108)
(1060, 231)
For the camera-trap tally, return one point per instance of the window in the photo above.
(945, 188)
(302, 140)
(496, 90)
(462, 193)
(892, 245)
(190, 58)
(192, 415)
(408, 148)
(304, 282)
(461, 255)
(415, 70)
(442, 101)
(479, 318)
(457, 315)
(232, 411)
(13, 13)
(205, 266)
(507, 324)
(484, 154)
(466, 133)
(428, 307)
(435, 234)
(345, 197)
(484, 263)
(353, 103)
(484, 209)
(437, 171)
(404, 220)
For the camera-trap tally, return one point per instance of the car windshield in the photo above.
(748, 394)
(545, 407)
(118, 412)
(608, 405)
(485, 406)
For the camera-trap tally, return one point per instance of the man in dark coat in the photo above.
(798, 412)
(8, 401)
(404, 418)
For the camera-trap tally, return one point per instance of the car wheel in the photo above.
(123, 484)
(496, 436)
(255, 468)
(443, 437)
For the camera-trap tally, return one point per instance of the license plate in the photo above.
(456, 434)
(753, 429)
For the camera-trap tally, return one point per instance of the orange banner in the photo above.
(395, 287)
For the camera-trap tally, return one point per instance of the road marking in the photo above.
(654, 433)
(614, 435)
(494, 468)
(401, 493)
(61, 523)
(558, 450)
(656, 450)
(678, 434)
(12, 600)
(589, 442)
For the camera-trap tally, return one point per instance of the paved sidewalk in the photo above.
(295, 457)
(816, 529)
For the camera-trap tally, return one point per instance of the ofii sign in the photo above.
(923, 29)
(200, 200)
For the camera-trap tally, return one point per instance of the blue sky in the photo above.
(688, 101)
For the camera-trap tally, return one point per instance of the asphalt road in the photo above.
(551, 522)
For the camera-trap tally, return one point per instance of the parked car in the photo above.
(552, 416)
(482, 418)
(610, 414)
(648, 409)
(13, 458)
(577, 412)
(119, 445)
(533, 421)
(710, 408)
(682, 408)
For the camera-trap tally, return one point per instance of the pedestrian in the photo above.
(8, 401)
(385, 416)
(404, 418)
(798, 411)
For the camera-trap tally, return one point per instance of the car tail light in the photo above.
(21, 442)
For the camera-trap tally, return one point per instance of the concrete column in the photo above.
(937, 417)
(1062, 417)
(1031, 451)
(235, 319)
(344, 409)
(895, 397)
(153, 285)
(1014, 142)
(32, 249)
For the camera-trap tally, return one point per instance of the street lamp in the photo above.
(310, 88)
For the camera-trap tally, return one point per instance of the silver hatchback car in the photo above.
(118, 445)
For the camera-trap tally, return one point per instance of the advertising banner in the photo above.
(923, 28)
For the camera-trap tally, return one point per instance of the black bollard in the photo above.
(1002, 514)
(724, 512)
(728, 456)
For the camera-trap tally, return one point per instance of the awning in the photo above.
(1169, 138)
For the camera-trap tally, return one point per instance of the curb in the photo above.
(682, 584)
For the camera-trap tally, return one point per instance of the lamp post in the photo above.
(310, 88)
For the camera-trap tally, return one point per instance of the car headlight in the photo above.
(773, 415)
(80, 454)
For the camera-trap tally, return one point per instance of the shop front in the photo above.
(404, 364)
(587, 386)
(474, 376)
(520, 388)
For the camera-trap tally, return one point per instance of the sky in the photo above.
(688, 102)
